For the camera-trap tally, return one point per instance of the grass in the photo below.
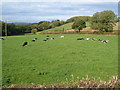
(55, 60)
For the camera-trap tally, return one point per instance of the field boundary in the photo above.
(82, 34)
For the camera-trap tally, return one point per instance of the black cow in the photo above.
(25, 44)
(2, 39)
(45, 40)
(33, 40)
(80, 38)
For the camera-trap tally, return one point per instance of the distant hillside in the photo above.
(67, 26)
(63, 27)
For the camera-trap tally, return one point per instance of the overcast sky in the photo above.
(39, 10)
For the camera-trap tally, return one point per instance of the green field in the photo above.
(57, 59)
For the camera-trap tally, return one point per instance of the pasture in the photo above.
(55, 60)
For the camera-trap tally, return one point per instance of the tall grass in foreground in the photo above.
(86, 82)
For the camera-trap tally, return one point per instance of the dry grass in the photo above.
(114, 82)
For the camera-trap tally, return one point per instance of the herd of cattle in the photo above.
(94, 39)
(48, 37)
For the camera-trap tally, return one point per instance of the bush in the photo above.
(34, 31)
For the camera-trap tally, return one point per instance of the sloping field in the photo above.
(68, 28)
(63, 27)
(55, 60)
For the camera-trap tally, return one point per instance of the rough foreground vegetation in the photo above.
(86, 82)
(59, 60)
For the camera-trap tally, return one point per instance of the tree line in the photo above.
(16, 29)
(101, 21)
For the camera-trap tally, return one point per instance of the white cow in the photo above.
(87, 38)
(62, 36)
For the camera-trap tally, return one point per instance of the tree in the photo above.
(34, 31)
(21, 29)
(2, 26)
(79, 24)
(43, 26)
(73, 19)
(11, 29)
(56, 23)
(103, 21)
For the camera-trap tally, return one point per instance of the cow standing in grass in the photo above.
(94, 39)
(2, 39)
(25, 44)
(52, 38)
(62, 36)
(45, 40)
(80, 38)
(87, 38)
(105, 41)
(33, 40)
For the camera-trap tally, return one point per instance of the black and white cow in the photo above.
(25, 44)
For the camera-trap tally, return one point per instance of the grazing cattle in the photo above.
(87, 38)
(52, 38)
(62, 36)
(45, 40)
(25, 44)
(2, 39)
(80, 38)
(33, 40)
(94, 39)
(105, 41)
